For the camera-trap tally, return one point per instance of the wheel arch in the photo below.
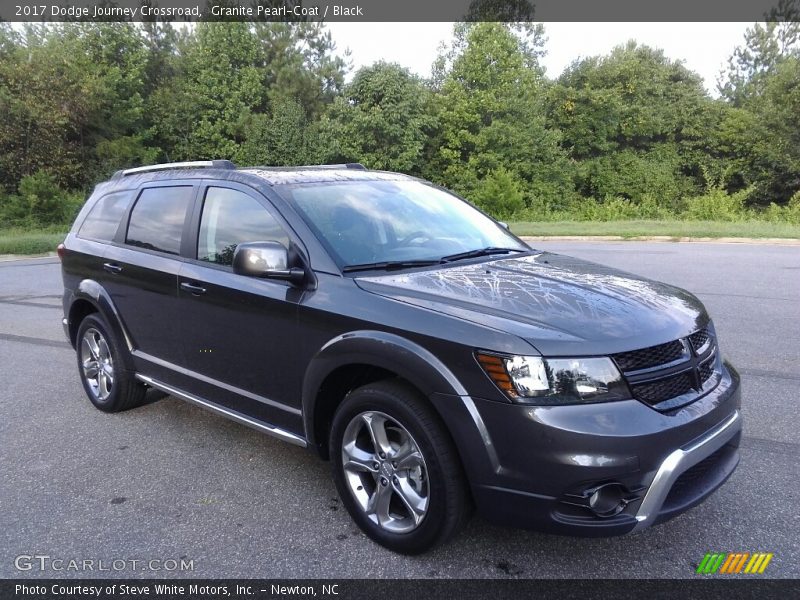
(360, 357)
(79, 309)
(90, 297)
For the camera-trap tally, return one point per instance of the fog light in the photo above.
(608, 500)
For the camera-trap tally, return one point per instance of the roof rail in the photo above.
(357, 166)
(196, 164)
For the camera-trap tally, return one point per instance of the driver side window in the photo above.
(230, 218)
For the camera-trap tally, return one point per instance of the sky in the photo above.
(705, 47)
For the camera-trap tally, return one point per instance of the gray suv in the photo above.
(437, 361)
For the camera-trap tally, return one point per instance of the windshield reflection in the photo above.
(380, 224)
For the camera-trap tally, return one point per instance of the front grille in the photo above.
(706, 370)
(650, 357)
(671, 375)
(663, 389)
(699, 339)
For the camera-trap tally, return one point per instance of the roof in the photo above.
(271, 175)
(288, 175)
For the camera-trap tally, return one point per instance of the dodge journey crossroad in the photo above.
(436, 360)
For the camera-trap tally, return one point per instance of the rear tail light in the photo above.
(61, 250)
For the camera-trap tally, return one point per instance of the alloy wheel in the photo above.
(97, 364)
(385, 471)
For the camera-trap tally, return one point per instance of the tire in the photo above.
(411, 497)
(101, 365)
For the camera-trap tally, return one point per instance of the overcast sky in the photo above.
(705, 47)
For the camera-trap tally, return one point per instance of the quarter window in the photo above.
(103, 220)
(157, 219)
(230, 218)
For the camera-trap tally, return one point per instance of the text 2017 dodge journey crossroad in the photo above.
(438, 361)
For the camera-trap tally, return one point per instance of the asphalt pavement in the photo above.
(170, 482)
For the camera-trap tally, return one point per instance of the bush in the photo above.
(717, 205)
(636, 176)
(589, 209)
(39, 202)
(12, 211)
(42, 197)
(792, 209)
(499, 194)
(783, 214)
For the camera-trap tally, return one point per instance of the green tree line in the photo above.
(631, 134)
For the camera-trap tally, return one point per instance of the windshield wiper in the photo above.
(389, 265)
(479, 252)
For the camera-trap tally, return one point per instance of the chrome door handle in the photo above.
(195, 290)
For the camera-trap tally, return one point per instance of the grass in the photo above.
(31, 241)
(675, 229)
(40, 241)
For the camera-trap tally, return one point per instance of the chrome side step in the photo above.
(232, 415)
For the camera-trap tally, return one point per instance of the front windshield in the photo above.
(380, 221)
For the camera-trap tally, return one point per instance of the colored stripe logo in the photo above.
(734, 562)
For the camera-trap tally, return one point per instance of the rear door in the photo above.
(239, 331)
(143, 266)
(89, 245)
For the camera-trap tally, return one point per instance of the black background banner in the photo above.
(398, 10)
(707, 588)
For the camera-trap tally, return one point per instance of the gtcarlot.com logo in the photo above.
(732, 563)
(45, 562)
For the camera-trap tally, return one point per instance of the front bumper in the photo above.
(653, 507)
(540, 465)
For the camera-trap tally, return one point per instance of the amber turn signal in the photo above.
(496, 369)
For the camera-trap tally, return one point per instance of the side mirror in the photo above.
(269, 260)
(504, 225)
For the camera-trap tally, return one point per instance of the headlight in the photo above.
(537, 380)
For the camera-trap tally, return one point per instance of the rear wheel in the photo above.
(396, 469)
(107, 383)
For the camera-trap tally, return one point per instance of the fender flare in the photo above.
(91, 291)
(397, 354)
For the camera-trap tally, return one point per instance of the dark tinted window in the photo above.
(102, 221)
(231, 218)
(157, 219)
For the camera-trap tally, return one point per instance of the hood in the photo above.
(561, 305)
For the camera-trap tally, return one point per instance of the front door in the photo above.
(239, 331)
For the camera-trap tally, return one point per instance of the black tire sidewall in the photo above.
(111, 403)
(430, 530)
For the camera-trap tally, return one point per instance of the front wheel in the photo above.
(396, 469)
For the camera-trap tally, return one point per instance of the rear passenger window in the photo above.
(157, 219)
(103, 220)
(231, 218)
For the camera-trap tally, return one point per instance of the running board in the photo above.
(229, 414)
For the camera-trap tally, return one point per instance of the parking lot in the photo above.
(169, 481)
